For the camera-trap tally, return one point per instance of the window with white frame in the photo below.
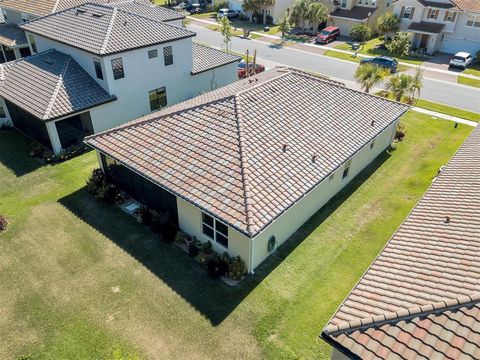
(407, 14)
(432, 14)
(117, 67)
(215, 230)
(360, 2)
(152, 53)
(158, 98)
(97, 64)
(374, 2)
(344, 4)
(449, 16)
(473, 20)
(168, 55)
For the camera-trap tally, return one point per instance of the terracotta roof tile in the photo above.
(423, 290)
(468, 5)
(426, 26)
(227, 145)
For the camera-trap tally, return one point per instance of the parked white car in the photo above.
(228, 13)
(461, 60)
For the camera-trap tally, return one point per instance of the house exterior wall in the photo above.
(463, 38)
(190, 217)
(7, 120)
(15, 17)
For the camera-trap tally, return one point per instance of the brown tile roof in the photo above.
(12, 36)
(355, 13)
(468, 5)
(104, 29)
(50, 85)
(206, 58)
(223, 151)
(421, 297)
(427, 27)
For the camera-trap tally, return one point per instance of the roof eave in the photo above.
(215, 67)
(336, 345)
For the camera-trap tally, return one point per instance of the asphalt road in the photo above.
(434, 90)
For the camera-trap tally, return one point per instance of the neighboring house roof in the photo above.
(224, 151)
(50, 85)
(45, 7)
(148, 10)
(427, 27)
(104, 29)
(420, 298)
(206, 58)
(355, 13)
(12, 36)
(468, 5)
(437, 4)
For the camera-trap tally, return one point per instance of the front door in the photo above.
(424, 41)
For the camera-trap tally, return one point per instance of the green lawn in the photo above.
(468, 81)
(448, 110)
(473, 69)
(370, 48)
(82, 280)
(349, 57)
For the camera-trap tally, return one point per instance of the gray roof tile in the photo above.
(12, 36)
(206, 58)
(104, 29)
(50, 85)
(223, 150)
(421, 297)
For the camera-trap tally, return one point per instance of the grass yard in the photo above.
(371, 48)
(349, 57)
(468, 81)
(82, 280)
(473, 69)
(448, 110)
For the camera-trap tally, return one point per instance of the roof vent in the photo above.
(314, 157)
(49, 61)
(447, 219)
(373, 122)
(125, 23)
(79, 11)
(96, 15)
(284, 148)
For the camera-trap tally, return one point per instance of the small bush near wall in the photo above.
(159, 221)
(38, 150)
(5, 127)
(3, 223)
(102, 189)
(400, 132)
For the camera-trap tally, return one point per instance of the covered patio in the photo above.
(13, 43)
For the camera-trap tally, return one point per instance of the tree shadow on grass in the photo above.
(14, 153)
(210, 297)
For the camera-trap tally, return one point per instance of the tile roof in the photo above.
(468, 5)
(104, 29)
(438, 4)
(158, 13)
(50, 85)
(206, 58)
(223, 151)
(45, 7)
(12, 36)
(426, 26)
(355, 13)
(420, 298)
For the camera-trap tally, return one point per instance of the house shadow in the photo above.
(14, 153)
(211, 297)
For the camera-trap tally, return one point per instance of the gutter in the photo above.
(339, 347)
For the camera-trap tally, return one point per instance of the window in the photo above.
(344, 4)
(473, 20)
(25, 17)
(215, 230)
(432, 14)
(152, 53)
(31, 40)
(2, 112)
(98, 68)
(388, 3)
(158, 98)
(449, 16)
(117, 67)
(374, 2)
(408, 13)
(168, 55)
(346, 169)
(25, 51)
(359, 2)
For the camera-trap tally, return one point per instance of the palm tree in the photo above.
(400, 86)
(417, 84)
(285, 25)
(368, 76)
(300, 11)
(317, 13)
(263, 4)
(388, 24)
(250, 7)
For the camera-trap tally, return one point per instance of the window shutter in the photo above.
(429, 13)
(446, 15)
(402, 12)
(411, 14)
(454, 16)
(436, 14)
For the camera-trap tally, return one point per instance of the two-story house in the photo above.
(446, 26)
(13, 41)
(98, 66)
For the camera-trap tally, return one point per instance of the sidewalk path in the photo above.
(445, 117)
(452, 75)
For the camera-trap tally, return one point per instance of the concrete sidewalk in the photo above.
(447, 74)
(445, 117)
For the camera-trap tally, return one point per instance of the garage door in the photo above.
(452, 45)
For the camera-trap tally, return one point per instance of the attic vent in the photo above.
(97, 16)
(284, 148)
(49, 61)
(373, 122)
(125, 23)
(314, 157)
(79, 12)
(447, 219)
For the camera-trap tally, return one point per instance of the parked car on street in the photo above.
(382, 61)
(461, 60)
(328, 34)
(228, 13)
(242, 69)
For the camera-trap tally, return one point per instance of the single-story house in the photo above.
(244, 166)
(420, 298)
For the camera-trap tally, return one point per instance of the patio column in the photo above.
(54, 138)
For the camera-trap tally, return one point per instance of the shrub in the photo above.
(101, 189)
(217, 266)
(193, 250)
(269, 20)
(220, 4)
(237, 268)
(3, 223)
(5, 127)
(65, 154)
(400, 132)
(208, 248)
(361, 33)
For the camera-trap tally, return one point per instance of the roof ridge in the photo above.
(283, 71)
(55, 6)
(109, 30)
(57, 88)
(403, 314)
(244, 168)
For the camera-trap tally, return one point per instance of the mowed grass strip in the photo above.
(81, 279)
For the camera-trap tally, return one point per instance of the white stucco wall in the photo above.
(463, 38)
(283, 227)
